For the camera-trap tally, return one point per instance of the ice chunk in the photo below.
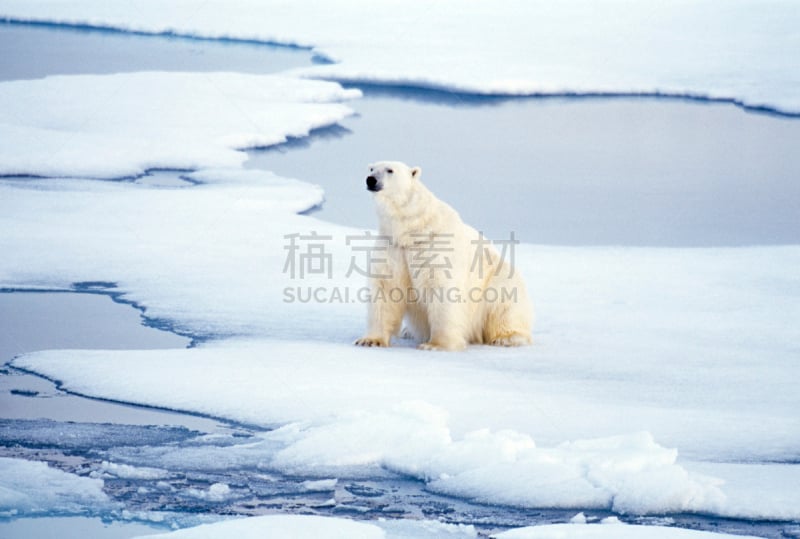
(321, 485)
(580, 518)
(125, 471)
(76, 437)
(624, 473)
(628, 474)
(425, 529)
(33, 488)
(218, 492)
(111, 126)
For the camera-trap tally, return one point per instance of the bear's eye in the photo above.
(390, 171)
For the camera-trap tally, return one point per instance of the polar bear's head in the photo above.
(390, 178)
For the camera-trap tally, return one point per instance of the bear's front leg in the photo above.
(372, 341)
(386, 313)
(385, 317)
(448, 326)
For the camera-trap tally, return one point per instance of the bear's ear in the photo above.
(416, 172)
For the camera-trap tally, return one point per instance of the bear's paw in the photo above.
(371, 341)
(515, 339)
(437, 347)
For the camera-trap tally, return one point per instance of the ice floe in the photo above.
(122, 125)
(648, 362)
(728, 50)
(618, 350)
(608, 529)
(33, 488)
(279, 526)
(336, 528)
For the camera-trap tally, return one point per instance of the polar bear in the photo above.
(438, 274)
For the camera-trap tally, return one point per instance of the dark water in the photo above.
(73, 528)
(31, 321)
(32, 51)
(589, 171)
(46, 320)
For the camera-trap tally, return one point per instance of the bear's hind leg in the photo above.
(508, 325)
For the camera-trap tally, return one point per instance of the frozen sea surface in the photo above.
(164, 474)
(738, 51)
(622, 405)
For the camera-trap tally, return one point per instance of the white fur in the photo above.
(419, 227)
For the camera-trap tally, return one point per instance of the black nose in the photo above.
(371, 182)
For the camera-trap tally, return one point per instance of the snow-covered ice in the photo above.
(628, 474)
(111, 126)
(740, 50)
(763, 491)
(608, 530)
(33, 488)
(661, 381)
(279, 526)
(130, 472)
(86, 435)
(618, 350)
(336, 528)
(323, 528)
